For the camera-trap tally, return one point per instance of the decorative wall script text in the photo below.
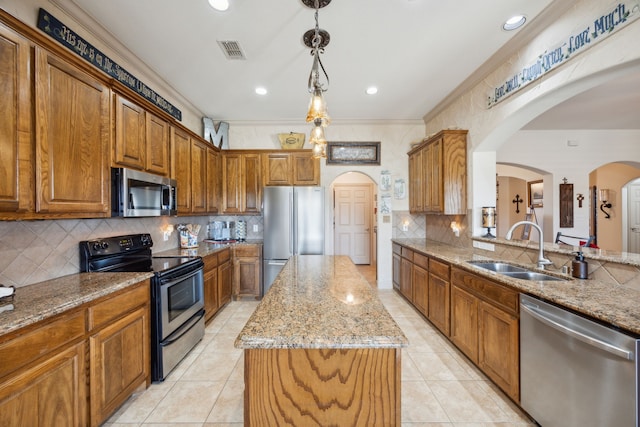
(60, 32)
(578, 41)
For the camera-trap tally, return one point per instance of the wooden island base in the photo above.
(322, 387)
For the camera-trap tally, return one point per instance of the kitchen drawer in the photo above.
(407, 253)
(223, 256)
(113, 308)
(487, 290)
(247, 251)
(438, 268)
(48, 336)
(210, 262)
(421, 260)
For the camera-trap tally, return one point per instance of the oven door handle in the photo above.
(182, 330)
(172, 280)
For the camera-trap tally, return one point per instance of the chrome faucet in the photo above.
(542, 261)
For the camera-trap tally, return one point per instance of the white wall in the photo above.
(491, 128)
(549, 151)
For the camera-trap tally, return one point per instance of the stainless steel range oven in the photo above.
(177, 300)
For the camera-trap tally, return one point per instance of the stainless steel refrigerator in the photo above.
(293, 225)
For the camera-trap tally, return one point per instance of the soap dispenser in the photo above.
(579, 267)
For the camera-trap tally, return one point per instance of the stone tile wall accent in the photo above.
(33, 251)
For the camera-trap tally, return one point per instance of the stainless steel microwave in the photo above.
(140, 194)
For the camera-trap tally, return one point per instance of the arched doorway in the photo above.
(354, 221)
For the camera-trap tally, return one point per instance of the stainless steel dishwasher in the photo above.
(574, 371)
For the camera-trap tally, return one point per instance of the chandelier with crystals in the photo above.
(317, 39)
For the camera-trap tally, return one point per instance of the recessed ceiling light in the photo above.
(372, 90)
(220, 5)
(261, 91)
(514, 22)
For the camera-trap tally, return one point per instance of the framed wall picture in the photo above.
(353, 153)
(535, 190)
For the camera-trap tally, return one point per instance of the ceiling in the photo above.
(415, 51)
(611, 105)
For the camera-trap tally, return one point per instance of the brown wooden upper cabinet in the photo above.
(194, 165)
(241, 182)
(72, 162)
(16, 158)
(438, 174)
(141, 140)
(290, 168)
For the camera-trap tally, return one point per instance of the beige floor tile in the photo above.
(206, 388)
(222, 342)
(238, 371)
(229, 407)
(187, 402)
(419, 404)
(409, 371)
(467, 401)
(138, 407)
(439, 367)
(180, 369)
(222, 425)
(211, 367)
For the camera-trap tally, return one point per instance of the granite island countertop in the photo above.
(612, 304)
(39, 301)
(320, 302)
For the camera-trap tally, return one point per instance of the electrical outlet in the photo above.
(255, 228)
(405, 227)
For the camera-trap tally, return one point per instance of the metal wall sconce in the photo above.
(489, 220)
(604, 197)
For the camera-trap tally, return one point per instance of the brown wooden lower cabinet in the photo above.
(485, 326)
(51, 393)
(478, 315)
(77, 368)
(439, 303)
(464, 322)
(498, 352)
(225, 281)
(119, 363)
(322, 387)
(247, 271)
(218, 274)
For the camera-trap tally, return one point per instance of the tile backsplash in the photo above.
(432, 227)
(33, 251)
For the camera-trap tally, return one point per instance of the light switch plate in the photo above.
(255, 228)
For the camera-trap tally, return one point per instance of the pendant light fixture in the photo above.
(317, 39)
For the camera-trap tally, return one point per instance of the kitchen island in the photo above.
(321, 349)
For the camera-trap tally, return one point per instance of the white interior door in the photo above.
(633, 203)
(352, 221)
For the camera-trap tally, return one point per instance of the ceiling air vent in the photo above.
(231, 49)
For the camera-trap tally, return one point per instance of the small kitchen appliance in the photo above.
(222, 231)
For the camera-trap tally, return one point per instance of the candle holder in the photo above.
(489, 220)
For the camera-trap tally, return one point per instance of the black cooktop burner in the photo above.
(128, 253)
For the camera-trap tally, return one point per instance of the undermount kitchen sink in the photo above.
(514, 271)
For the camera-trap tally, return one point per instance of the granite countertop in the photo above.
(613, 304)
(204, 248)
(40, 301)
(320, 302)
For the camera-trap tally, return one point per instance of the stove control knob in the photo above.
(104, 245)
(96, 246)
